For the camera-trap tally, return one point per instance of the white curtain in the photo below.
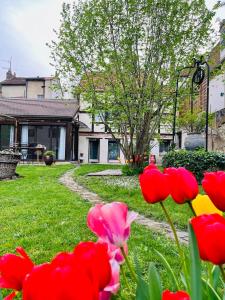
(62, 144)
(24, 141)
(24, 135)
(11, 137)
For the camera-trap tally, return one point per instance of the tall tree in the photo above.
(125, 53)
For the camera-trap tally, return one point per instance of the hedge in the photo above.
(197, 162)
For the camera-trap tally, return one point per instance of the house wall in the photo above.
(11, 91)
(34, 88)
(103, 150)
(217, 93)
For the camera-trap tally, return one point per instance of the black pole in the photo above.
(175, 100)
(175, 108)
(207, 108)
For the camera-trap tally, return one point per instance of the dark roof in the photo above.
(23, 80)
(14, 81)
(38, 108)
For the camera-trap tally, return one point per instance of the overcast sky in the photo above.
(25, 27)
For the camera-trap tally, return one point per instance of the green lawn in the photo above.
(44, 217)
(109, 189)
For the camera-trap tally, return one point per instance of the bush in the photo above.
(197, 162)
(131, 170)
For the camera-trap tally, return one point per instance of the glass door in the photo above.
(94, 150)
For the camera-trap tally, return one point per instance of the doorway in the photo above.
(94, 150)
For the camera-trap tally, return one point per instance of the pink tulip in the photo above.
(114, 283)
(111, 222)
(114, 252)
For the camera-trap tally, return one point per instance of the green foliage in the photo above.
(197, 162)
(131, 170)
(131, 51)
(193, 122)
(49, 153)
(195, 275)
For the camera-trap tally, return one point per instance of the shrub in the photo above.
(197, 162)
(131, 170)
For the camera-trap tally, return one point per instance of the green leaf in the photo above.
(142, 291)
(155, 287)
(169, 270)
(215, 276)
(209, 292)
(196, 282)
(1, 298)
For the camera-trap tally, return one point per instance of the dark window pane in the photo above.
(93, 149)
(113, 150)
(4, 136)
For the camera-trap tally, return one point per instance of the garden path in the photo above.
(68, 180)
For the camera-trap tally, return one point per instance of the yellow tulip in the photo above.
(203, 205)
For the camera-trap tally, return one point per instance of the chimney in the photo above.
(9, 75)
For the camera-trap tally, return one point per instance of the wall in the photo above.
(103, 153)
(34, 88)
(217, 93)
(11, 91)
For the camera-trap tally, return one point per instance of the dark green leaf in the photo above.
(155, 287)
(196, 282)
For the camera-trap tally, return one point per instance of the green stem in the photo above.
(172, 227)
(125, 277)
(222, 272)
(128, 264)
(191, 207)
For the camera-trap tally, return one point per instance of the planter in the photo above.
(8, 164)
(194, 141)
(48, 160)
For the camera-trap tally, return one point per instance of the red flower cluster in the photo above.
(213, 184)
(90, 272)
(180, 295)
(179, 183)
(209, 231)
(81, 274)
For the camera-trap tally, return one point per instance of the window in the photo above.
(94, 150)
(164, 146)
(4, 136)
(40, 96)
(113, 150)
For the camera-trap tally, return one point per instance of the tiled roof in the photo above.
(22, 80)
(38, 108)
(14, 81)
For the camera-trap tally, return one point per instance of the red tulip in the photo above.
(92, 255)
(210, 235)
(82, 274)
(180, 295)
(48, 282)
(151, 166)
(13, 269)
(213, 184)
(183, 184)
(111, 222)
(154, 185)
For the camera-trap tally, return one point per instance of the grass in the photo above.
(109, 189)
(44, 217)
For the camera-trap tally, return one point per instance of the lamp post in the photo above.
(197, 78)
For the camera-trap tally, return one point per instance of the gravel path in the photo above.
(68, 180)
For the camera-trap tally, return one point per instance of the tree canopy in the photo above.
(122, 56)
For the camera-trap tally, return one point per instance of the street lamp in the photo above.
(197, 78)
